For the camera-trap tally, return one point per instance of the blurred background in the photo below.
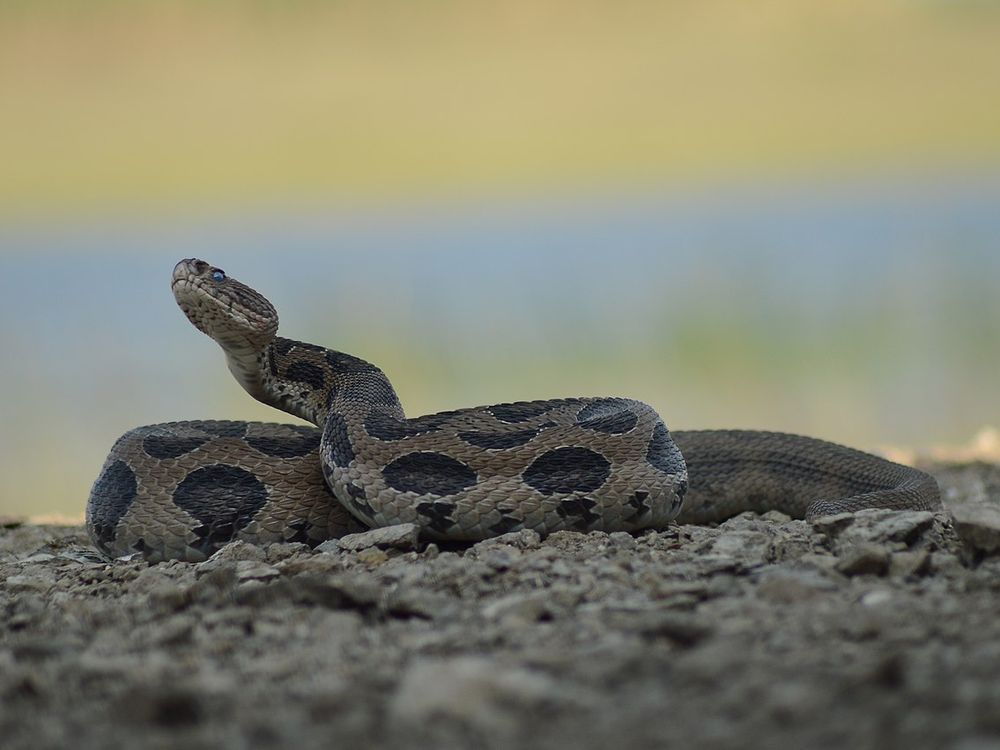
(782, 214)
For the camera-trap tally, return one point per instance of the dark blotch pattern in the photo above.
(170, 446)
(680, 489)
(662, 453)
(341, 362)
(337, 441)
(359, 500)
(385, 427)
(300, 532)
(223, 498)
(567, 470)
(308, 373)
(283, 346)
(508, 522)
(438, 515)
(610, 415)
(374, 389)
(498, 440)
(225, 429)
(306, 346)
(638, 501)
(292, 446)
(521, 411)
(427, 473)
(110, 500)
(579, 511)
(601, 408)
(140, 546)
(613, 424)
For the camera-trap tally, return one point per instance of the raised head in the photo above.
(232, 313)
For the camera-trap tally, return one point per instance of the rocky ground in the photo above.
(875, 630)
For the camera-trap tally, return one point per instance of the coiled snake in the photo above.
(182, 490)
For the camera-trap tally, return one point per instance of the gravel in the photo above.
(880, 629)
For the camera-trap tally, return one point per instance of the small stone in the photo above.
(823, 562)
(330, 546)
(876, 597)
(215, 581)
(910, 563)
(257, 593)
(523, 539)
(775, 516)
(519, 608)
(741, 543)
(402, 536)
(945, 563)
(622, 540)
(39, 557)
(247, 570)
(881, 526)
(499, 557)
(903, 526)
(864, 559)
(345, 591)
(283, 550)
(978, 526)
(240, 550)
(831, 526)
(372, 556)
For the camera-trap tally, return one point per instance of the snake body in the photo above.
(181, 490)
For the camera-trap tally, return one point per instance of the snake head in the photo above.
(232, 313)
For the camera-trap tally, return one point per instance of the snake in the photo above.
(183, 490)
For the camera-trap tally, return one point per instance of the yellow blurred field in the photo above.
(150, 106)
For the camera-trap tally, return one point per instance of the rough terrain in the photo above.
(875, 630)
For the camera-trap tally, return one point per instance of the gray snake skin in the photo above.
(182, 490)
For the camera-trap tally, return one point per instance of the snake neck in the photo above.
(310, 381)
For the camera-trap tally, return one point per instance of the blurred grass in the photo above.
(146, 106)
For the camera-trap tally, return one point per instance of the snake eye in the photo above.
(218, 275)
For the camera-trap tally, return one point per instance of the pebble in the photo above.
(403, 536)
(864, 559)
(978, 526)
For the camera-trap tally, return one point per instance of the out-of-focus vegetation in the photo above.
(143, 105)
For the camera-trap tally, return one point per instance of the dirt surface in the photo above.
(875, 630)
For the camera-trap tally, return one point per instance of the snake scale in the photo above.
(182, 490)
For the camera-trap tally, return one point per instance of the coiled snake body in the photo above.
(182, 490)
